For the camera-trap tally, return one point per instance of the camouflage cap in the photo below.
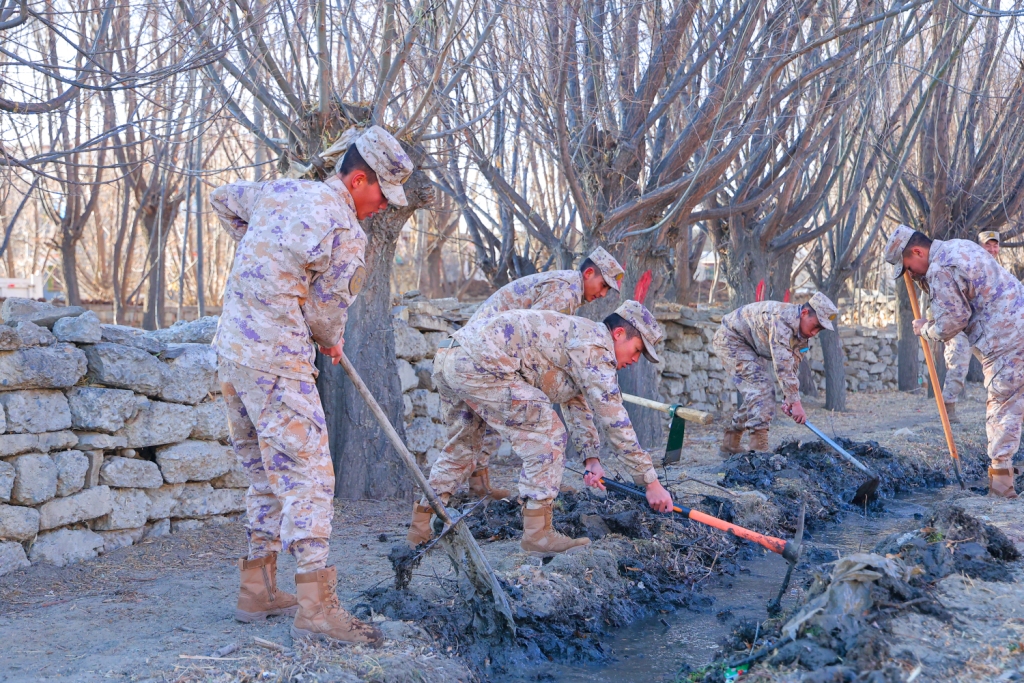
(389, 161)
(611, 271)
(988, 236)
(894, 248)
(643, 320)
(824, 309)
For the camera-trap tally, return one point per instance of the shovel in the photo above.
(869, 489)
(677, 426)
(458, 543)
(936, 388)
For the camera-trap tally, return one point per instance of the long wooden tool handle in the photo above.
(395, 439)
(698, 416)
(934, 376)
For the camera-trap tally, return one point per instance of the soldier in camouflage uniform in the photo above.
(563, 291)
(958, 349)
(507, 372)
(298, 266)
(749, 337)
(970, 292)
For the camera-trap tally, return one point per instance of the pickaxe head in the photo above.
(794, 548)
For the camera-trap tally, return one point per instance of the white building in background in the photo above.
(28, 288)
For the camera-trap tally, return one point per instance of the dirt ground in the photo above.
(163, 610)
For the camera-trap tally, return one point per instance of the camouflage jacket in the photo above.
(572, 361)
(298, 266)
(557, 290)
(772, 330)
(971, 292)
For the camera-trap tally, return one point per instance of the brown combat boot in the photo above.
(480, 486)
(731, 443)
(321, 616)
(258, 597)
(759, 440)
(1000, 482)
(951, 413)
(419, 528)
(540, 540)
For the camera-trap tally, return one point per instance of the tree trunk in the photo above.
(69, 269)
(835, 369)
(939, 358)
(807, 386)
(780, 275)
(365, 464)
(907, 344)
(746, 265)
(975, 373)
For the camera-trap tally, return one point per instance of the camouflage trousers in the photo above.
(958, 361)
(750, 375)
(481, 407)
(1004, 379)
(279, 436)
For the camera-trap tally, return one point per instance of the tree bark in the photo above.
(908, 367)
(365, 464)
(807, 386)
(939, 358)
(835, 369)
(69, 268)
(975, 373)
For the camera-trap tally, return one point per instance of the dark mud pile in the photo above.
(847, 639)
(639, 562)
(814, 474)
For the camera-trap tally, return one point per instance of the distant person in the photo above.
(748, 338)
(970, 292)
(561, 291)
(298, 266)
(958, 349)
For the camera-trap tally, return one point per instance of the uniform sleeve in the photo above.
(596, 376)
(786, 361)
(557, 296)
(580, 421)
(950, 310)
(233, 205)
(338, 275)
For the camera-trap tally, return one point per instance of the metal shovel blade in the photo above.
(867, 491)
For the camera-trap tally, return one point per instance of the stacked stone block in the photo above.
(108, 434)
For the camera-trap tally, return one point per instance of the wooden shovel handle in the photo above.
(936, 389)
(395, 439)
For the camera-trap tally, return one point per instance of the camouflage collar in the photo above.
(338, 185)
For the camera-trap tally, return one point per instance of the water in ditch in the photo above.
(656, 648)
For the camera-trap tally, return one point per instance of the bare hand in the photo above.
(334, 352)
(796, 411)
(659, 498)
(594, 475)
(919, 326)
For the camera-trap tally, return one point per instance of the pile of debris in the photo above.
(639, 562)
(812, 473)
(840, 633)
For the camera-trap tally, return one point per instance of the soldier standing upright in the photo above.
(504, 373)
(298, 266)
(971, 292)
(958, 349)
(754, 334)
(562, 291)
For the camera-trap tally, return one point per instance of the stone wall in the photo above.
(108, 434)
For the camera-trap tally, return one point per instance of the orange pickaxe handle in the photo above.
(790, 551)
